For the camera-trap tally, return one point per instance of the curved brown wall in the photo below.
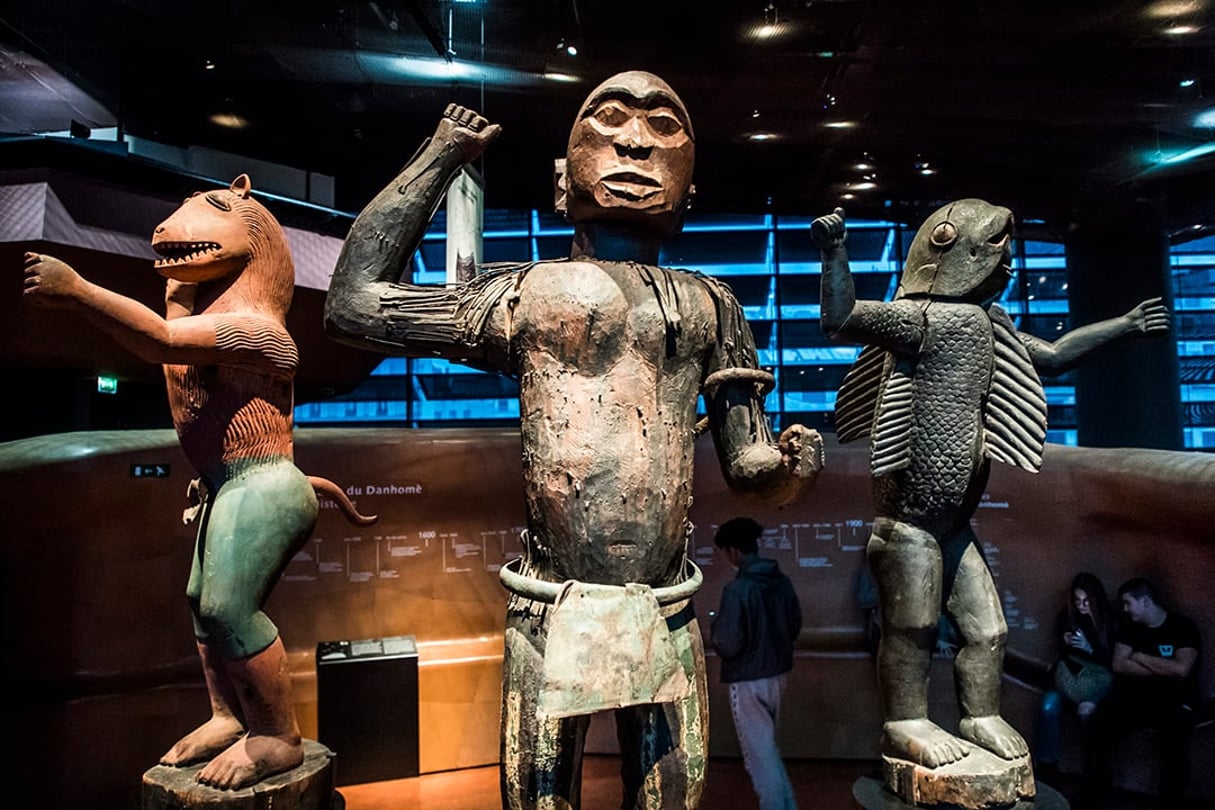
(99, 639)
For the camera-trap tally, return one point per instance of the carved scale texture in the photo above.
(951, 375)
(970, 393)
(1014, 420)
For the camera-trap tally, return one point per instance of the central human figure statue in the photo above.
(611, 353)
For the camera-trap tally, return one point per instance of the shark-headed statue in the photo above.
(944, 386)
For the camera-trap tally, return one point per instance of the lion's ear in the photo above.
(241, 186)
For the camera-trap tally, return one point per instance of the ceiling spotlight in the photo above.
(208, 65)
(848, 196)
(755, 114)
(866, 186)
(760, 137)
(840, 124)
(1179, 30)
(1186, 83)
(928, 171)
(770, 27)
(863, 167)
(1169, 9)
(229, 121)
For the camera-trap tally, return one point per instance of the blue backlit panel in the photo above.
(773, 267)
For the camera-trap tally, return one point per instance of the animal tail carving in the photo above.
(324, 486)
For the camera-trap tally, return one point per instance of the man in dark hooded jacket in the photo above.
(753, 634)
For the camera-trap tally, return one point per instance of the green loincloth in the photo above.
(607, 646)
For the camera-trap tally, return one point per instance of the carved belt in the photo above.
(540, 590)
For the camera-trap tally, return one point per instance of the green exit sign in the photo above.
(107, 385)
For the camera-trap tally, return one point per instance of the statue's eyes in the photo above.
(944, 234)
(218, 200)
(612, 114)
(664, 122)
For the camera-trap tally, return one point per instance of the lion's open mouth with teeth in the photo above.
(176, 253)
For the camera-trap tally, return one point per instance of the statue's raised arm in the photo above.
(367, 301)
(894, 326)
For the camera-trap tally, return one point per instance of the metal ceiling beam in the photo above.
(429, 29)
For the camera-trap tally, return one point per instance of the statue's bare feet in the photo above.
(994, 734)
(923, 742)
(204, 742)
(251, 759)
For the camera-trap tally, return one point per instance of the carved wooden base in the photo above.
(868, 793)
(979, 781)
(308, 787)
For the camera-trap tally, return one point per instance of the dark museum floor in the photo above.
(817, 784)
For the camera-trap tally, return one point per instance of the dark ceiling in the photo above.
(1039, 105)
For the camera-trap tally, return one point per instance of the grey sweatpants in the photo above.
(756, 706)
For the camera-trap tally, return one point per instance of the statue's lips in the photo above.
(631, 185)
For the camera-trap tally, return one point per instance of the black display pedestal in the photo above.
(367, 707)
